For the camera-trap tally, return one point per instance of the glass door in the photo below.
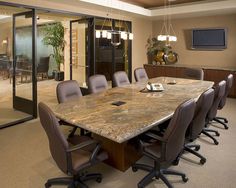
(80, 51)
(24, 79)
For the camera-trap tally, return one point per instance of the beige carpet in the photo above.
(25, 161)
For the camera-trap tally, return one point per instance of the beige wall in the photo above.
(182, 27)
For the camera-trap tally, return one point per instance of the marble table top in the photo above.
(141, 111)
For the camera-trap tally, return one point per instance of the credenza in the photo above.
(210, 73)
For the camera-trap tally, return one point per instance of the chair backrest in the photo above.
(229, 84)
(140, 74)
(68, 90)
(97, 83)
(43, 65)
(120, 78)
(175, 132)
(203, 105)
(194, 73)
(219, 93)
(57, 142)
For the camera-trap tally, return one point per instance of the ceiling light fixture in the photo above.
(114, 35)
(167, 32)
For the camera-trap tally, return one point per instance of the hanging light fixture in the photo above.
(167, 32)
(114, 35)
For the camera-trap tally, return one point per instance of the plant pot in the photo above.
(59, 76)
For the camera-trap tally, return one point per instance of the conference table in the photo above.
(117, 126)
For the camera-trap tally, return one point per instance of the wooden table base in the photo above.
(121, 156)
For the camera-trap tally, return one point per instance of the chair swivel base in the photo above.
(156, 173)
(206, 131)
(189, 149)
(74, 182)
(219, 120)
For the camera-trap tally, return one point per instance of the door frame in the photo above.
(19, 103)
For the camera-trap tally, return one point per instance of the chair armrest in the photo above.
(154, 136)
(82, 145)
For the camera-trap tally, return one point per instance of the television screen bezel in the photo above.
(210, 47)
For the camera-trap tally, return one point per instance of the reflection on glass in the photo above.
(23, 58)
(79, 31)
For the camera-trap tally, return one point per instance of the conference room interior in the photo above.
(23, 87)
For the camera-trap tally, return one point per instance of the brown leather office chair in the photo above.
(229, 84)
(140, 75)
(43, 66)
(97, 83)
(194, 73)
(219, 90)
(71, 160)
(120, 78)
(165, 150)
(66, 91)
(198, 123)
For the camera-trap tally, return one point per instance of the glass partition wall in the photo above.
(17, 89)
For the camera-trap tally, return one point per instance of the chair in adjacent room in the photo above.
(194, 73)
(219, 91)
(197, 125)
(165, 149)
(229, 84)
(140, 75)
(97, 83)
(43, 66)
(72, 160)
(66, 91)
(120, 78)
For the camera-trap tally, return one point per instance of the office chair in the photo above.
(197, 125)
(71, 160)
(120, 78)
(97, 83)
(219, 91)
(165, 149)
(66, 91)
(140, 74)
(229, 84)
(194, 73)
(43, 67)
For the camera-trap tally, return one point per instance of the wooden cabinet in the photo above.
(215, 75)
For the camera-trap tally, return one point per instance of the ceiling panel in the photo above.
(159, 3)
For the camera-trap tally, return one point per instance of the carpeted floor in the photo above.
(25, 161)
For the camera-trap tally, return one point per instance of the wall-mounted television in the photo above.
(209, 39)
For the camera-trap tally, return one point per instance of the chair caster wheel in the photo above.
(216, 142)
(217, 134)
(185, 179)
(99, 180)
(202, 161)
(134, 169)
(197, 148)
(226, 128)
(226, 121)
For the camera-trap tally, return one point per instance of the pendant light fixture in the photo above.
(114, 35)
(167, 32)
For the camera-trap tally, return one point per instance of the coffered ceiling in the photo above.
(158, 3)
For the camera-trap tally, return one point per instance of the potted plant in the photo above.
(54, 36)
(156, 49)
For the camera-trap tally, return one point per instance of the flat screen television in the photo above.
(209, 39)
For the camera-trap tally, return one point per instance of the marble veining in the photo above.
(140, 112)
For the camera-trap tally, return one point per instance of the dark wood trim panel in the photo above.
(215, 75)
